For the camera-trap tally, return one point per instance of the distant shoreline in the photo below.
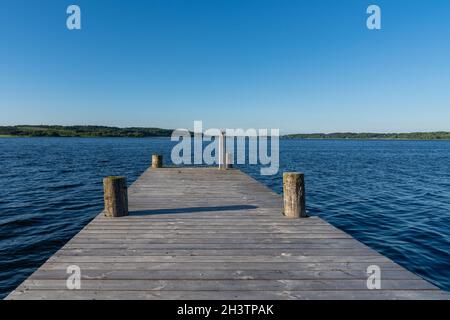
(281, 138)
(367, 139)
(31, 131)
(81, 131)
(438, 135)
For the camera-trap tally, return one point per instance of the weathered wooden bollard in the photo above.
(157, 161)
(294, 195)
(228, 161)
(115, 196)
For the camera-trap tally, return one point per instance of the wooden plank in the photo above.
(346, 242)
(193, 265)
(223, 236)
(214, 252)
(311, 247)
(229, 295)
(225, 274)
(254, 259)
(229, 285)
(201, 233)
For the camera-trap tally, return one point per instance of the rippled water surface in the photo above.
(392, 195)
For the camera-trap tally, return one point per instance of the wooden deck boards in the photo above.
(202, 233)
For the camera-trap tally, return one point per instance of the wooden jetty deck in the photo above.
(204, 233)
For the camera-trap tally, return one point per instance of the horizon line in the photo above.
(293, 133)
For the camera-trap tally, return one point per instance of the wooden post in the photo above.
(228, 160)
(115, 196)
(294, 195)
(157, 161)
(222, 159)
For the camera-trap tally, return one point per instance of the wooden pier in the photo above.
(204, 233)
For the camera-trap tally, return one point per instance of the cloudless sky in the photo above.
(301, 66)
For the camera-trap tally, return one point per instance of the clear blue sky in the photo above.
(301, 66)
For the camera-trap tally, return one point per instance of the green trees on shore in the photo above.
(135, 132)
(82, 131)
(440, 135)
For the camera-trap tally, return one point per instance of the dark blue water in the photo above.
(392, 195)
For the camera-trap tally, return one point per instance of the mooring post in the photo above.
(294, 195)
(229, 160)
(222, 159)
(157, 161)
(115, 196)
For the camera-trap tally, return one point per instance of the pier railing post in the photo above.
(294, 195)
(115, 196)
(157, 161)
(222, 159)
(228, 161)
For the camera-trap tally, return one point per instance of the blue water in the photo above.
(392, 195)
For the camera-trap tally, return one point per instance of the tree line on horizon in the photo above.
(438, 135)
(140, 132)
(81, 131)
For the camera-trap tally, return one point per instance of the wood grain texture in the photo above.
(294, 195)
(157, 161)
(115, 196)
(204, 233)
